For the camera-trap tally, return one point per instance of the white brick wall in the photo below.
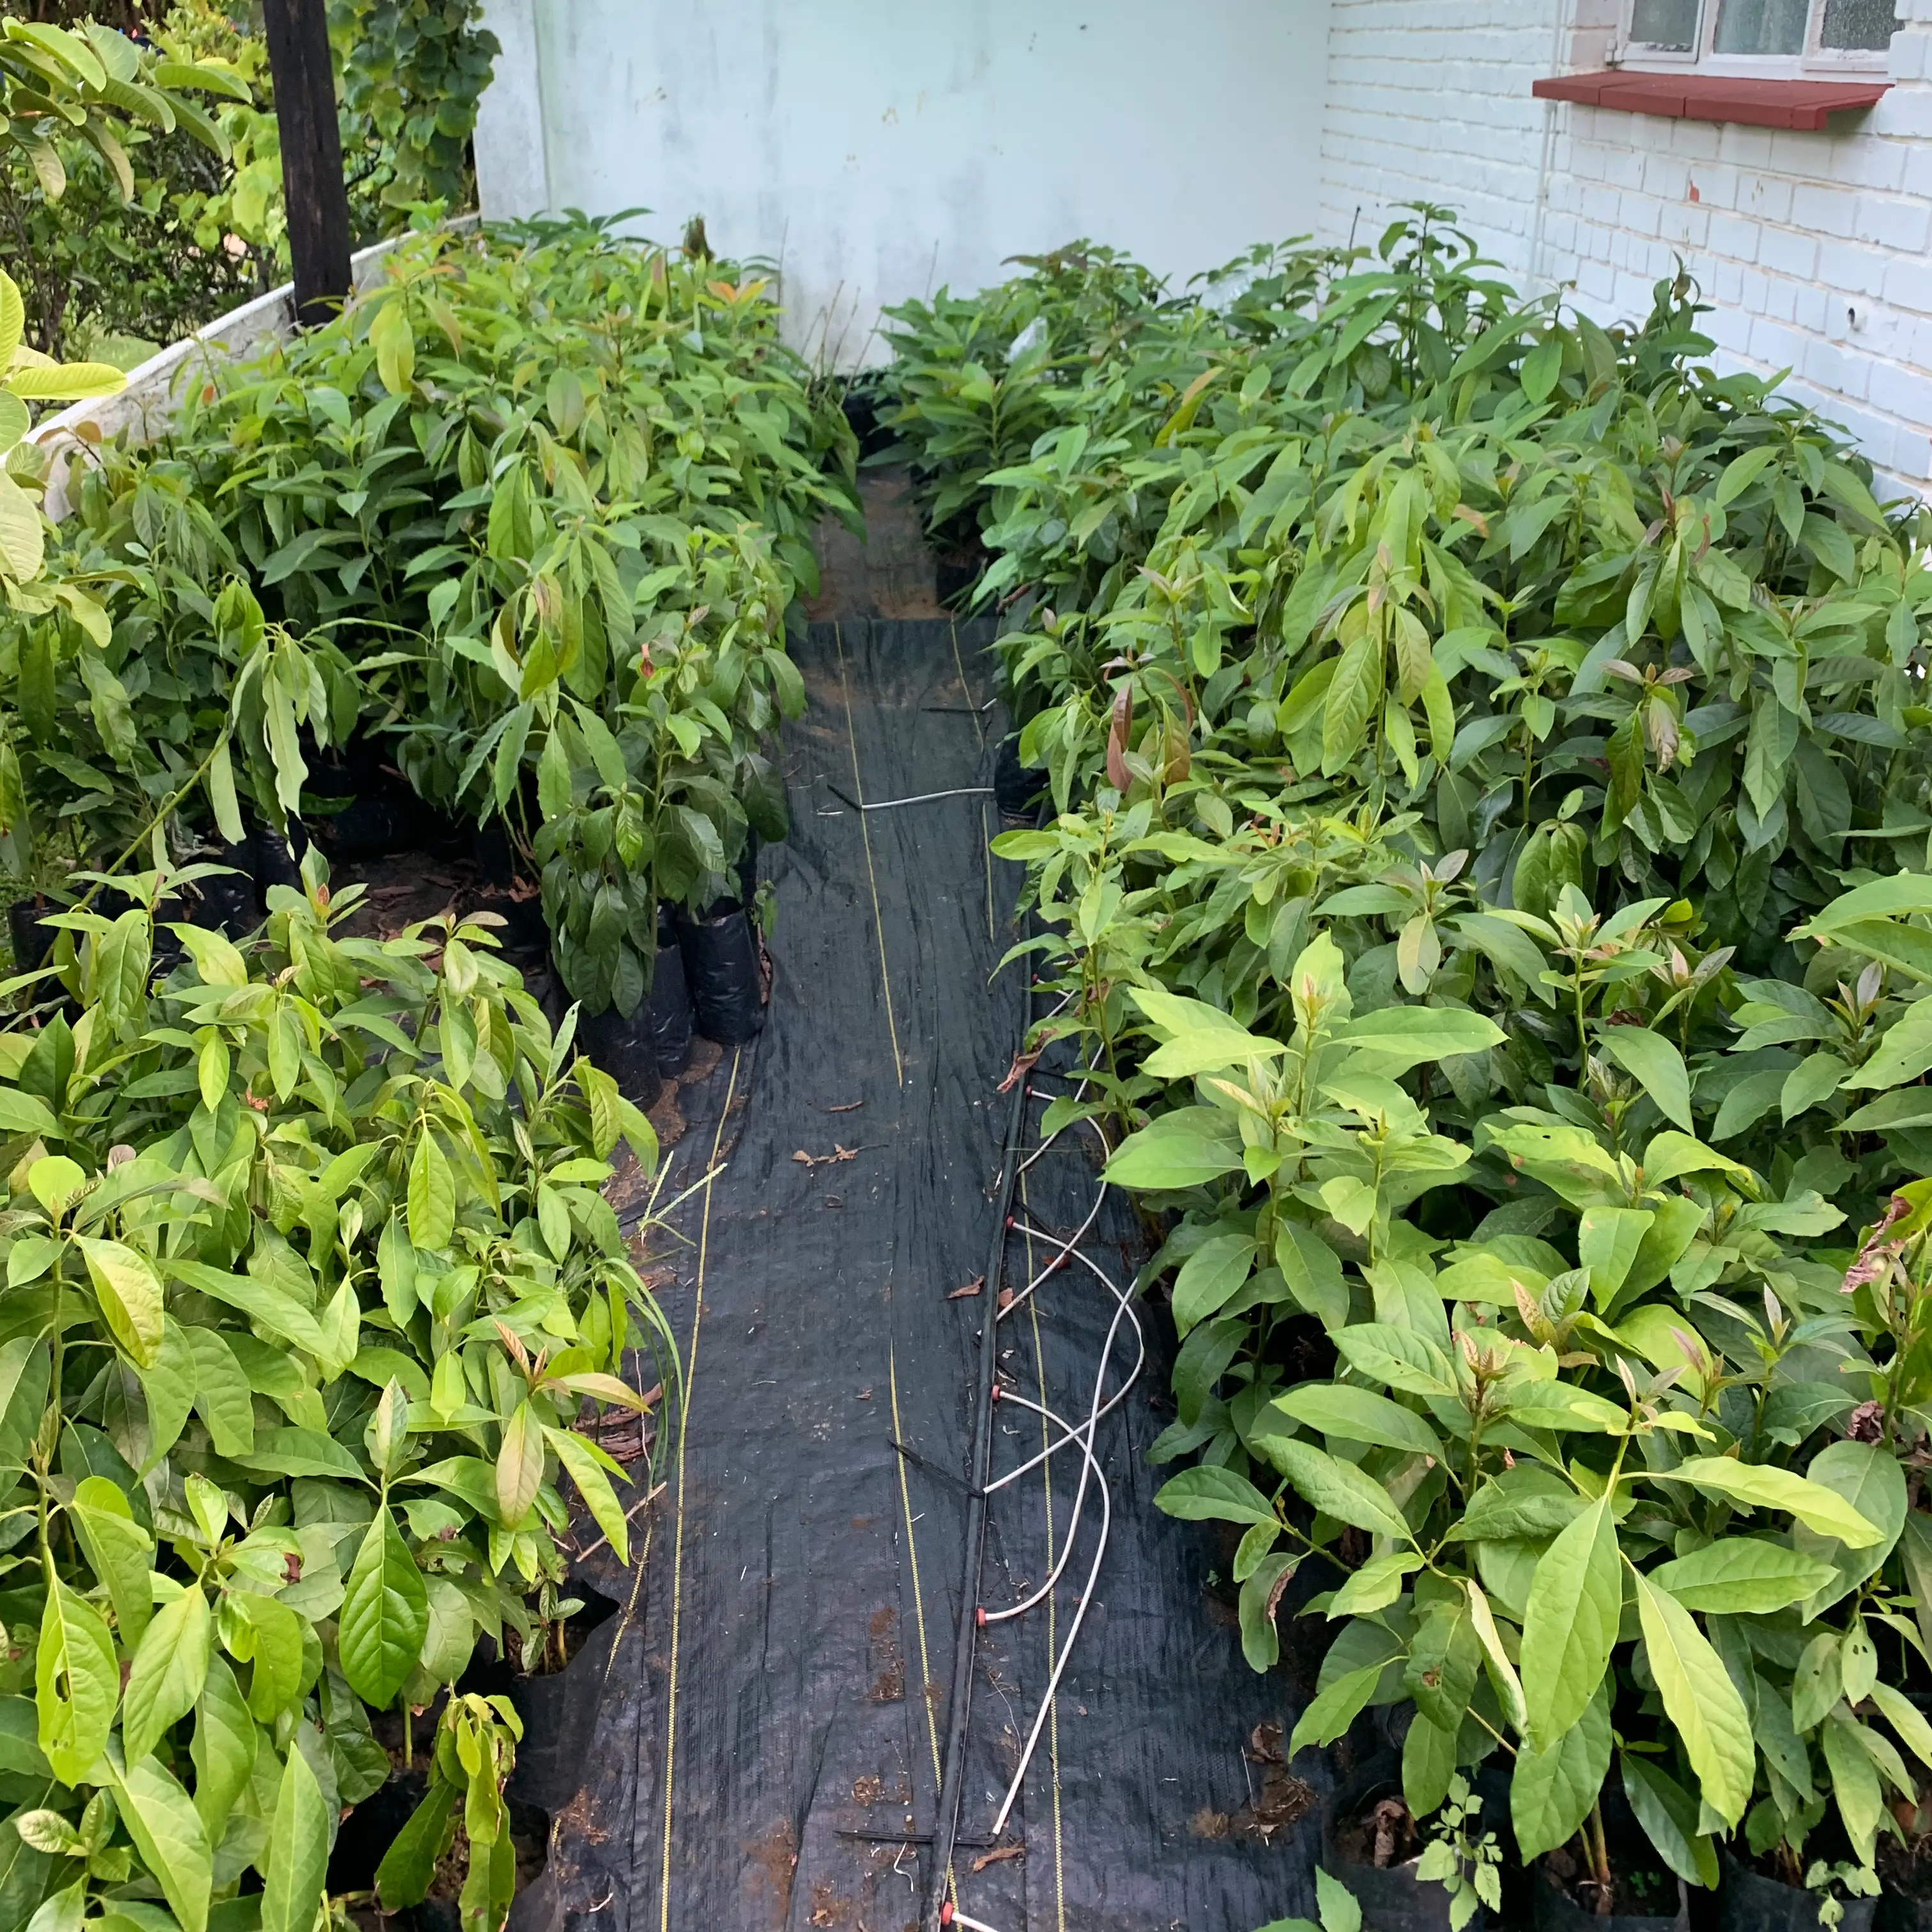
(1813, 247)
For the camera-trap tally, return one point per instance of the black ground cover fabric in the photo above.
(772, 1707)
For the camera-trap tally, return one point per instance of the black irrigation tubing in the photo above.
(953, 1777)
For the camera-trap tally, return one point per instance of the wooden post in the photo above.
(318, 202)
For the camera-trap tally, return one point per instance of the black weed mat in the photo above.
(774, 1694)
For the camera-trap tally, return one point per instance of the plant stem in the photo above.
(1600, 1853)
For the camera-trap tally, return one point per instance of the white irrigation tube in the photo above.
(1079, 1609)
(1083, 1437)
(926, 797)
(1097, 1412)
(1115, 1400)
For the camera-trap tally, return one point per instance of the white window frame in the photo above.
(1815, 63)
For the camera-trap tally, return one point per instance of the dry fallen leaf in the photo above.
(998, 1856)
(973, 1287)
(837, 1154)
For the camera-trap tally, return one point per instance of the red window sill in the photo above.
(1710, 96)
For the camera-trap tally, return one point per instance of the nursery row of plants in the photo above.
(1487, 853)
(313, 1299)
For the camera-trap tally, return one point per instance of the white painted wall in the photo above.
(879, 148)
(1812, 246)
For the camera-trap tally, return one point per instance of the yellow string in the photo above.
(677, 1553)
(872, 878)
(1052, 1606)
(912, 1550)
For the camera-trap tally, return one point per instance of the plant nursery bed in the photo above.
(776, 1692)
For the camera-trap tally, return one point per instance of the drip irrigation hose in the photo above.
(1079, 1609)
(943, 1912)
(952, 1776)
(918, 798)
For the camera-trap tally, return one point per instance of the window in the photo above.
(1759, 37)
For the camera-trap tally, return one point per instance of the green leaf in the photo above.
(169, 1669)
(25, 1372)
(1335, 1707)
(167, 1832)
(403, 1877)
(129, 1295)
(22, 546)
(1902, 1053)
(1868, 1478)
(1656, 1066)
(1398, 1357)
(270, 1633)
(1907, 1719)
(168, 1383)
(1742, 471)
(1185, 1148)
(1200, 1038)
(1355, 1415)
(1261, 1641)
(594, 1486)
(77, 1682)
(1670, 1816)
(1762, 1486)
(1313, 1273)
(1339, 1910)
(301, 1452)
(298, 1860)
(1816, 1685)
(1700, 1700)
(1208, 1494)
(393, 338)
(1551, 1791)
(221, 1392)
(221, 798)
(1374, 1586)
(1742, 1577)
(520, 1462)
(223, 1747)
(396, 1268)
(1405, 1037)
(1209, 1277)
(432, 1200)
(1855, 1783)
(1576, 1600)
(1354, 694)
(384, 1617)
(118, 1551)
(1428, 1764)
(1338, 1488)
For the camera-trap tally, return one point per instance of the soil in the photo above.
(578, 1628)
(1906, 1869)
(1635, 1887)
(1282, 1800)
(889, 571)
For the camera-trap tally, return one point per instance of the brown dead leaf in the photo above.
(999, 1855)
(850, 1107)
(972, 1288)
(832, 1159)
(1006, 1300)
